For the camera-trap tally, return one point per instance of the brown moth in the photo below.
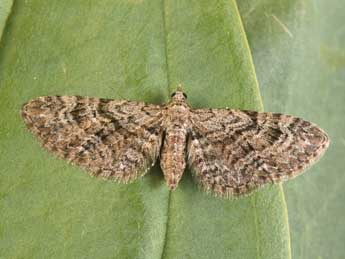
(230, 152)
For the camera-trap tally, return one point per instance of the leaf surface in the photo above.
(298, 51)
(5, 8)
(136, 50)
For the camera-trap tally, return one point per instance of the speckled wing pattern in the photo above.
(233, 152)
(117, 140)
(230, 152)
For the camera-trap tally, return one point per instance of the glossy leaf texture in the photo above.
(137, 50)
(298, 51)
(5, 9)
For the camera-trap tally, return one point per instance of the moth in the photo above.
(230, 152)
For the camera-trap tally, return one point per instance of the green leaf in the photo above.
(5, 8)
(138, 50)
(298, 49)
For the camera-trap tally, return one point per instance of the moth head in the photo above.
(178, 95)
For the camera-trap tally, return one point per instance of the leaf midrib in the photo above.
(168, 86)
